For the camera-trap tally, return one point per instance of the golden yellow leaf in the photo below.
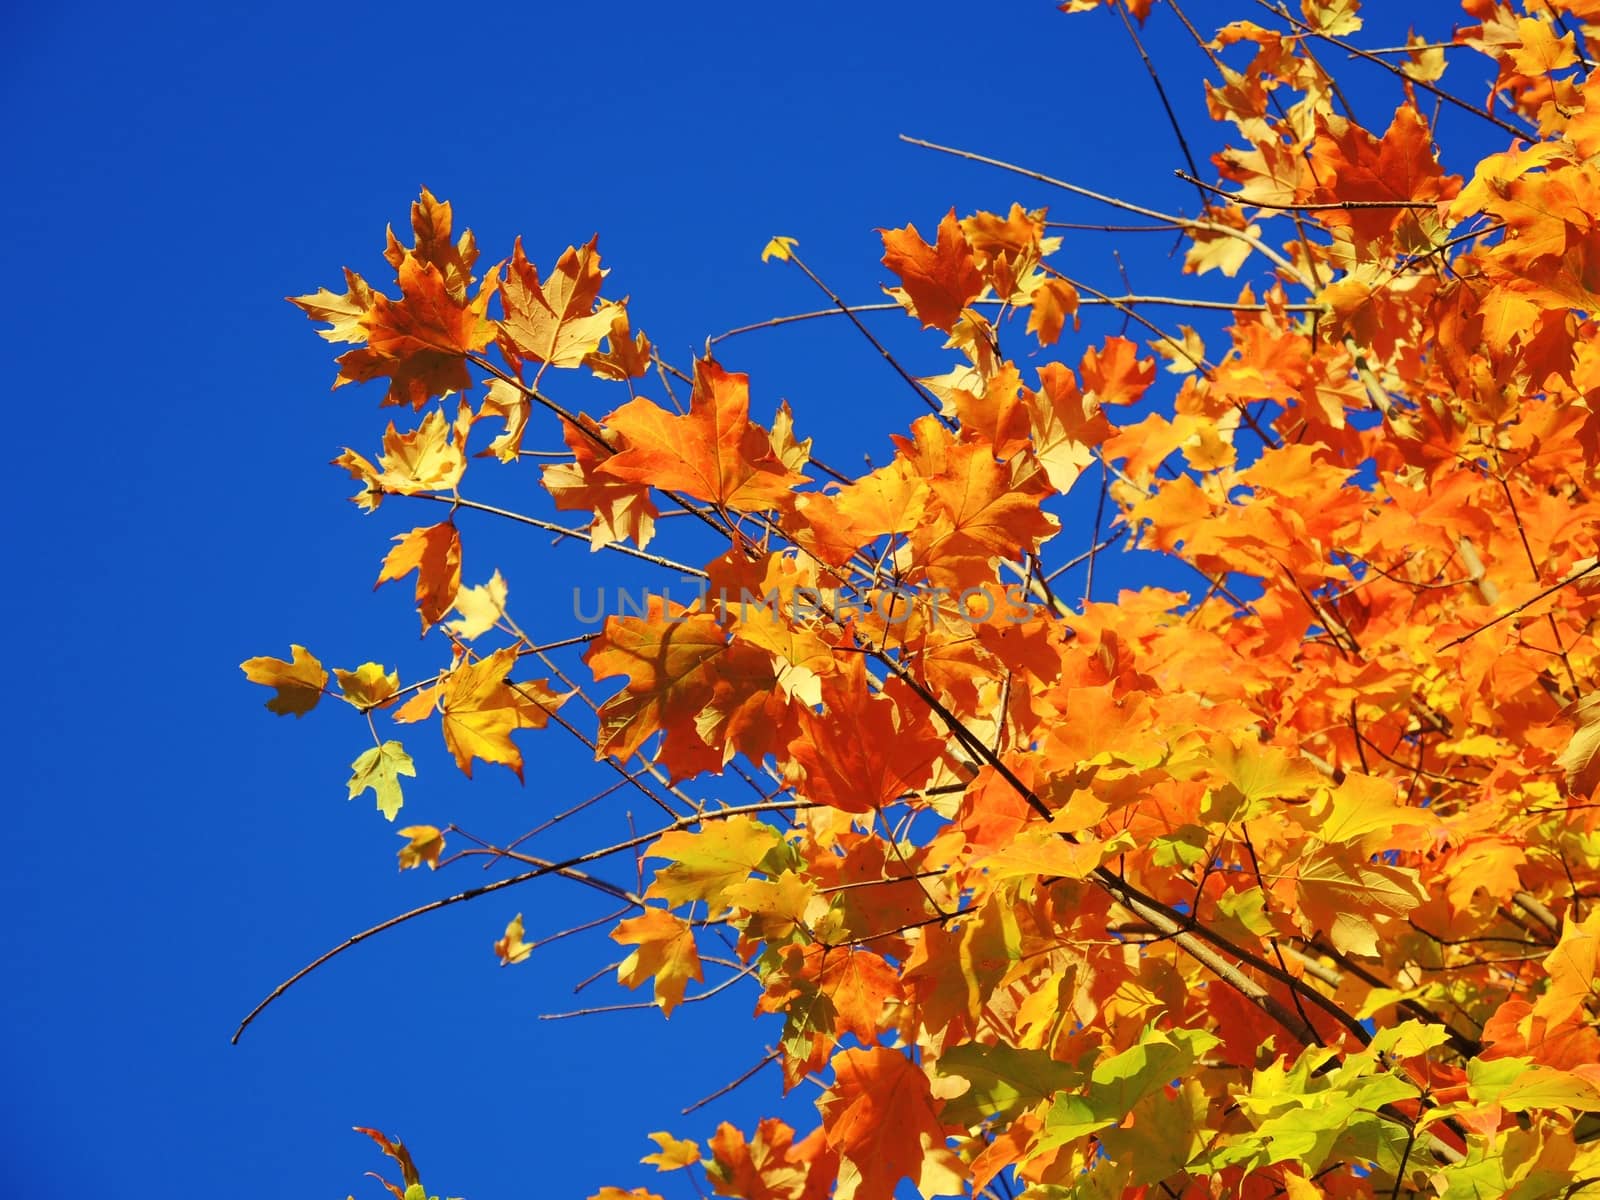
(368, 686)
(425, 846)
(779, 248)
(674, 1152)
(299, 683)
(512, 948)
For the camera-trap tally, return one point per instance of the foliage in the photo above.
(1285, 886)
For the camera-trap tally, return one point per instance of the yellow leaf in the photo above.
(666, 952)
(480, 607)
(511, 948)
(1579, 760)
(779, 248)
(368, 686)
(674, 1152)
(425, 846)
(299, 683)
(1541, 51)
(380, 769)
(723, 852)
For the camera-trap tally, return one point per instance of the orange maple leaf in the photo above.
(419, 342)
(939, 280)
(434, 553)
(561, 321)
(881, 1117)
(713, 453)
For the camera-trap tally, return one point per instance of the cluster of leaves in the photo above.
(1284, 887)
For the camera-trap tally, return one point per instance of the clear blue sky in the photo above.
(174, 172)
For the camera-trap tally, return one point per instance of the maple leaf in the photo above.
(428, 459)
(707, 862)
(1115, 374)
(622, 510)
(434, 553)
(342, 313)
(559, 322)
(1342, 894)
(431, 227)
(425, 845)
(627, 355)
(1051, 303)
(674, 1153)
(881, 1117)
(480, 709)
(380, 769)
(938, 280)
(481, 608)
(1573, 968)
(771, 1165)
(298, 683)
(1541, 52)
(512, 948)
(863, 750)
(1579, 760)
(712, 453)
(419, 342)
(369, 686)
(1065, 426)
(666, 953)
(779, 248)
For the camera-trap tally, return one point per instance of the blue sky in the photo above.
(176, 851)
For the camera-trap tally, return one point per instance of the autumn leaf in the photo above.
(627, 355)
(1052, 302)
(481, 608)
(882, 1119)
(938, 280)
(434, 553)
(298, 683)
(706, 862)
(425, 845)
(1579, 759)
(665, 952)
(369, 686)
(512, 948)
(712, 453)
(562, 320)
(419, 342)
(622, 510)
(778, 248)
(380, 769)
(675, 1153)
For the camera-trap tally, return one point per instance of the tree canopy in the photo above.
(1280, 883)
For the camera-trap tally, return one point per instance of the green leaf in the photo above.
(1121, 1082)
(380, 769)
(1003, 1079)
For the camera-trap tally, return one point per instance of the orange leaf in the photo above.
(561, 321)
(434, 553)
(420, 341)
(939, 280)
(882, 1119)
(714, 453)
